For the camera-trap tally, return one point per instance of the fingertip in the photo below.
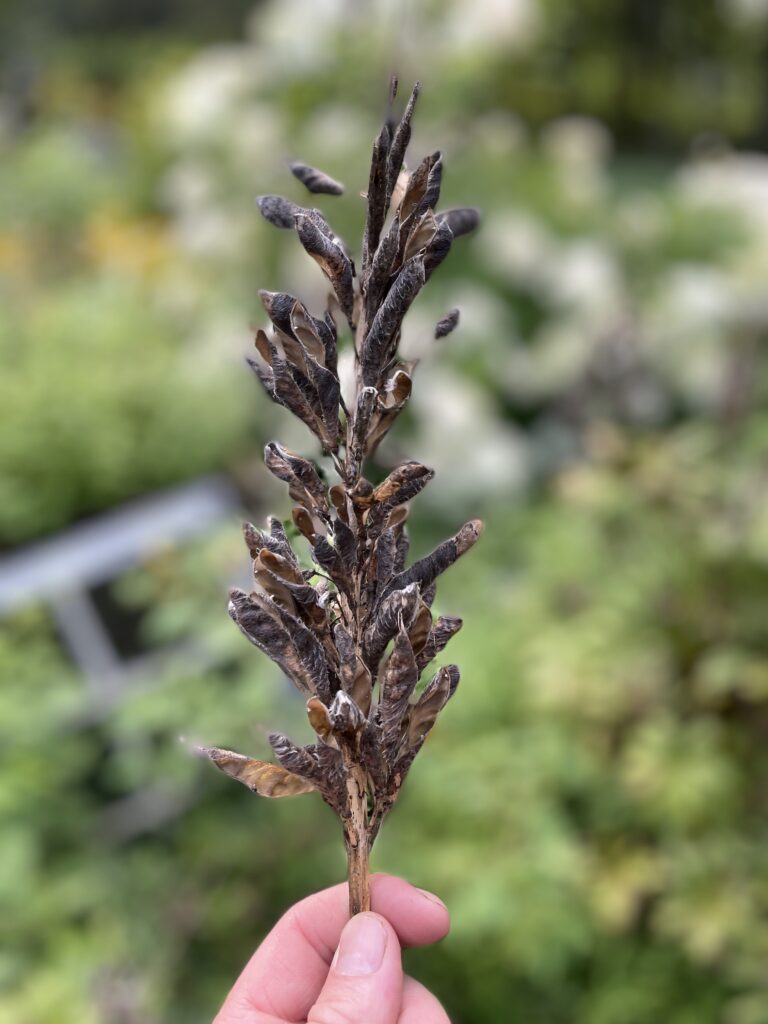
(419, 917)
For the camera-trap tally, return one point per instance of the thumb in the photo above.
(365, 980)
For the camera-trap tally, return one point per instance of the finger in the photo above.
(286, 973)
(365, 982)
(420, 1006)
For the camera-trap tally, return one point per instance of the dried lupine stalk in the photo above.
(355, 632)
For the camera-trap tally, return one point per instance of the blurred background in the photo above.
(593, 805)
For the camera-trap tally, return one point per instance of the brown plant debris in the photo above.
(355, 632)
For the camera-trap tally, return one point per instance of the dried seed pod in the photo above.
(278, 306)
(260, 776)
(402, 484)
(320, 720)
(381, 340)
(278, 210)
(438, 248)
(396, 607)
(299, 473)
(400, 140)
(314, 180)
(447, 324)
(443, 630)
(297, 653)
(461, 221)
(398, 681)
(366, 401)
(429, 705)
(377, 197)
(348, 720)
(331, 259)
(427, 569)
(355, 675)
(382, 267)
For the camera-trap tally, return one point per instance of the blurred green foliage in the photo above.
(593, 805)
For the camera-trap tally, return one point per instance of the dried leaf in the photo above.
(314, 180)
(448, 323)
(260, 776)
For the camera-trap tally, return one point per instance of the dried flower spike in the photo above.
(354, 634)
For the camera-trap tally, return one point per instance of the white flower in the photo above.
(471, 449)
(203, 96)
(491, 24)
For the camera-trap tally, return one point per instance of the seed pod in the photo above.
(260, 776)
(278, 211)
(331, 259)
(461, 221)
(448, 323)
(304, 484)
(320, 720)
(297, 653)
(438, 248)
(400, 141)
(399, 678)
(429, 705)
(314, 180)
(381, 340)
(444, 628)
(377, 196)
(427, 569)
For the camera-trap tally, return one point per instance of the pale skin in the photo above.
(318, 966)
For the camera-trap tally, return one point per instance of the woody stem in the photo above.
(356, 839)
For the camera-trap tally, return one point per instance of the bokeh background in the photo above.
(593, 805)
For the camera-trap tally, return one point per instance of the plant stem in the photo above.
(356, 839)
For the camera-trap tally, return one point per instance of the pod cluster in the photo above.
(355, 631)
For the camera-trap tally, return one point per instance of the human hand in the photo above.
(318, 966)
